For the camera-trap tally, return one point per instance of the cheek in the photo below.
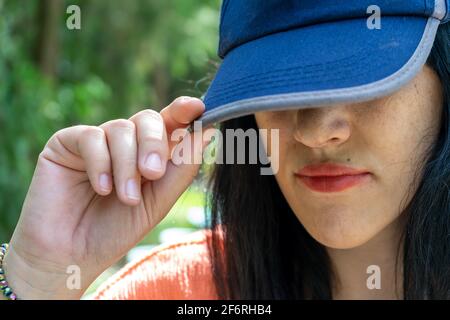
(389, 136)
(392, 142)
(407, 128)
(276, 131)
(277, 144)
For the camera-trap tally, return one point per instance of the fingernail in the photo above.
(153, 162)
(104, 182)
(132, 190)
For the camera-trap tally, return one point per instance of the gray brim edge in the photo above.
(311, 99)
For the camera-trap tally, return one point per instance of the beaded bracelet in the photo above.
(4, 287)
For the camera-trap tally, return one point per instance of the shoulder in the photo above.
(177, 270)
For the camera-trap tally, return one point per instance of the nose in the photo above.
(322, 127)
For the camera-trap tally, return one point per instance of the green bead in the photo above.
(7, 291)
(2, 277)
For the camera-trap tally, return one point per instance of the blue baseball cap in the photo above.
(285, 54)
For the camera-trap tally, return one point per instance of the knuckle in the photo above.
(55, 139)
(119, 124)
(150, 113)
(151, 126)
(147, 115)
(63, 131)
(92, 132)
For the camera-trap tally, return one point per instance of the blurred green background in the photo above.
(128, 55)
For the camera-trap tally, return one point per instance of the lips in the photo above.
(329, 177)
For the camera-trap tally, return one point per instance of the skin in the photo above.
(94, 196)
(389, 137)
(92, 182)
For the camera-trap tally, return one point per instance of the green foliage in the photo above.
(128, 55)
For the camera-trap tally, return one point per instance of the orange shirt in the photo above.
(173, 271)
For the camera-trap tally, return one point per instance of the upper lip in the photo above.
(329, 170)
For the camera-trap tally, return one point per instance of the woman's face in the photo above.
(387, 138)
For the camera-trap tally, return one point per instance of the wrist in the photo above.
(30, 283)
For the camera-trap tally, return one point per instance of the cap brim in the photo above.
(319, 65)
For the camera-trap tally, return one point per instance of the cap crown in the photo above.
(246, 20)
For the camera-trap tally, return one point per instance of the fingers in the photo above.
(154, 133)
(121, 137)
(178, 176)
(94, 150)
(179, 114)
(153, 150)
(90, 144)
(117, 154)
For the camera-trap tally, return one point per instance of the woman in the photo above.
(359, 207)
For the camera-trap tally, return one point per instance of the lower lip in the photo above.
(334, 184)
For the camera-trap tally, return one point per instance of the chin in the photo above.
(340, 242)
(339, 230)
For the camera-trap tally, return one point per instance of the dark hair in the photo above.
(255, 228)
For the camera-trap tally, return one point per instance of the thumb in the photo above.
(181, 170)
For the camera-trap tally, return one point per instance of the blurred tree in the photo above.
(48, 22)
(128, 55)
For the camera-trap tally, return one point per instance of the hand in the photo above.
(96, 192)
